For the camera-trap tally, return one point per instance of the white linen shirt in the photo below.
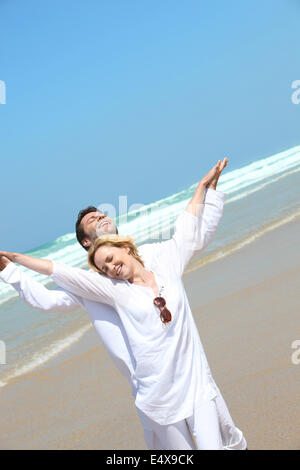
(171, 370)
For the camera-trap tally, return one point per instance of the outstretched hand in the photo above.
(211, 179)
(42, 266)
(4, 262)
(7, 255)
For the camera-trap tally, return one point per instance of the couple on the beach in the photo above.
(138, 305)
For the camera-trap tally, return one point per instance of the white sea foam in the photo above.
(46, 354)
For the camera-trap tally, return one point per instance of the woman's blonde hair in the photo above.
(117, 241)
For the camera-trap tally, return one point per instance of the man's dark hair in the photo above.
(80, 234)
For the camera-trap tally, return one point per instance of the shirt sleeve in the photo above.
(192, 233)
(87, 284)
(35, 294)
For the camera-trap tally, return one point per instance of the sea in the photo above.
(260, 196)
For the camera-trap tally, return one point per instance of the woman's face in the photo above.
(115, 262)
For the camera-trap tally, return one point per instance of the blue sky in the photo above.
(138, 98)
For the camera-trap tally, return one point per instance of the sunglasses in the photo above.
(165, 314)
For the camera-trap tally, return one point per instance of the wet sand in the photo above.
(246, 307)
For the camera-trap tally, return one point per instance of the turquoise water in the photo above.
(259, 197)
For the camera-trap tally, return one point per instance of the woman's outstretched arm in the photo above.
(208, 181)
(42, 266)
(87, 284)
(197, 224)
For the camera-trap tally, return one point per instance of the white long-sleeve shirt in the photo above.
(171, 369)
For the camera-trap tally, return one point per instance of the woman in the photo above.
(176, 391)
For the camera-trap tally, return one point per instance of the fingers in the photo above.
(214, 173)
(3, 262)
(221, 165)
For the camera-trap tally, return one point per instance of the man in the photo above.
(90, 224)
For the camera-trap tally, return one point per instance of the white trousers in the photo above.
(209, 428)
(200, 431)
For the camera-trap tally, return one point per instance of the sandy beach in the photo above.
(246, 307)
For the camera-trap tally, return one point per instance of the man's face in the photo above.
(95, 224)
